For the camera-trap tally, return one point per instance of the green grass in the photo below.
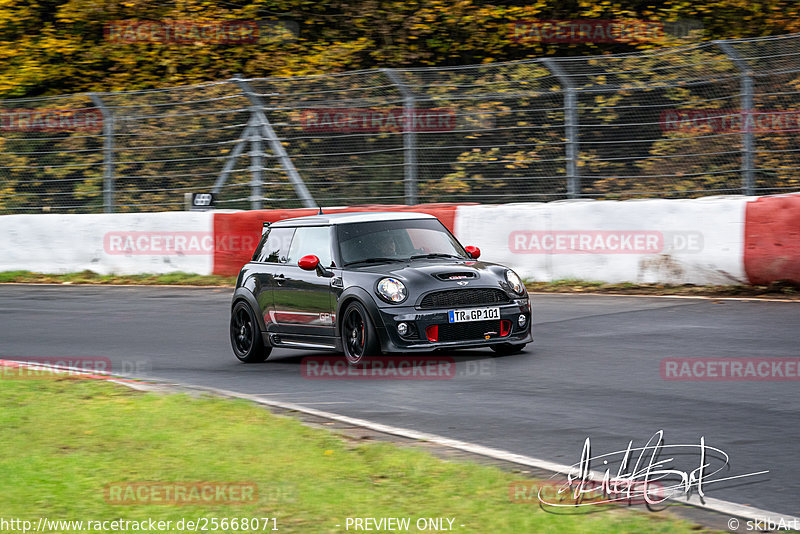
(90, 277)
(65, 439)
(777, 290)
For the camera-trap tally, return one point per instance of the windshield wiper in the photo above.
(435, 255)
(375, 260)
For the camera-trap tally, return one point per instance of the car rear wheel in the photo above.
(359, 339)
(246, 336)
(508, 348)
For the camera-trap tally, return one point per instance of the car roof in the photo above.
(355, 217)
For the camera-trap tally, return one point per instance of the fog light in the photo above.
(521, 321)
(402, 329)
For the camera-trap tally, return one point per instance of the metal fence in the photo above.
(709, 118)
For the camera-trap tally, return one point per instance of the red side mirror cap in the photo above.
(308, 263)
(474, 252)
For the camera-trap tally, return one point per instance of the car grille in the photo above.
(456, 298)
(472, 330)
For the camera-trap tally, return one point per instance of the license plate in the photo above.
(475, 314)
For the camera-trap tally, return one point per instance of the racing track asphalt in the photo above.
(593, 371)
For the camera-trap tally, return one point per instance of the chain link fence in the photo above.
(705, 119)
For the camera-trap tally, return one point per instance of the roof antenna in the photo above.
(320, 211)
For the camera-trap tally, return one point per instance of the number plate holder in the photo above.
(473, 314)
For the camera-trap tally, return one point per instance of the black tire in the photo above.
(507, 349)
(359, 339)
(248, 346)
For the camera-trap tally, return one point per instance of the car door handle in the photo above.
(279, 279)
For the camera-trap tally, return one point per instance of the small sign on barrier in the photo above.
(200, 201)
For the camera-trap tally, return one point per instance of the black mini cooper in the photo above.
(366, 283)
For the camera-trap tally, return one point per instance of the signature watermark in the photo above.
(561, 491)
(643, 474)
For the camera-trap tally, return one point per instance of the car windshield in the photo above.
(396, 241)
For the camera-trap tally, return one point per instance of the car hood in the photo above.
(426, 271)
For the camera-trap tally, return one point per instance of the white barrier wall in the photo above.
(698, 241)
(125, 243)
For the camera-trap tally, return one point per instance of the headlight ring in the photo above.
(515, 282)
(392, 290)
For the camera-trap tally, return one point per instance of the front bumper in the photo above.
(454, 336)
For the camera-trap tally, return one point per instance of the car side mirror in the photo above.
(308, 263)
(474, 252)
(311, 263)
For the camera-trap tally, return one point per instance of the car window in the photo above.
(426, 240)
(314, 240)
(395, 239)
(275, 245)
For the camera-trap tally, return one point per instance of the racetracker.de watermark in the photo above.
(730, 369)
(602, 31)
(604, 241)
(428, 367)
(51, 120)
(200, 31)
(180, 493)
(564, 492)
(693, 121)
(145, 243)
(376, 120)
(33, 367)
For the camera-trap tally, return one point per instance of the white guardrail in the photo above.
(711, 240)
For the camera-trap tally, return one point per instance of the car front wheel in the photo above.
(246, 336)
(358, 335)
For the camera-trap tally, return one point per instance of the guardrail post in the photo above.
(108, 153)
(256, 166)
(748, 140)
(236, 151)
(264, 128)
(409, 137)
(570, 127)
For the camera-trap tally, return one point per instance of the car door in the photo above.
(302, 300)
(268, 260)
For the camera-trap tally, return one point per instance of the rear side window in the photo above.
(274, 246)
(314, 240)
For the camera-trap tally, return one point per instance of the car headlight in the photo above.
(392, 290)
(515, 282)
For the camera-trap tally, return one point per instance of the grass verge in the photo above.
(777, 290)
(91, 277)
(65, 439)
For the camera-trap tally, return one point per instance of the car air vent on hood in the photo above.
(456, 275)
